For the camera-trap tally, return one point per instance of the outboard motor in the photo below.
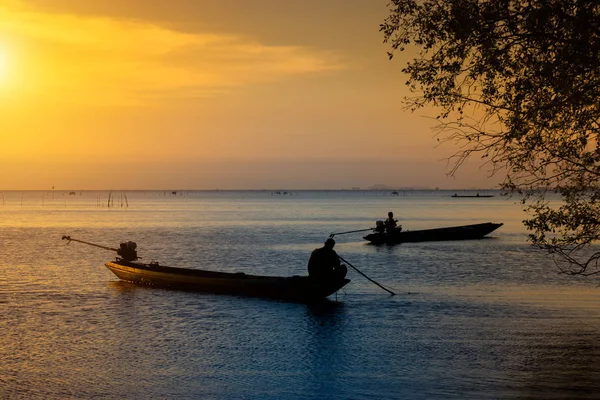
(127, 251)
(379, 227)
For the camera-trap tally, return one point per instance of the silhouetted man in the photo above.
(324, 263)
(391, 224)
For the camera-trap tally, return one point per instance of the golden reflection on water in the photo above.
(123, 287)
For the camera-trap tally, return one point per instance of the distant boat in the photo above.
(301, 289)
(464, 232)
(395, 193)
(470, 195)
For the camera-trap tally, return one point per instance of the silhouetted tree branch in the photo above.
(517, 83)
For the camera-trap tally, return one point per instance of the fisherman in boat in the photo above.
(324, 263)
(391, 224)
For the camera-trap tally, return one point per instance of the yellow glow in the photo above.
(68, 58)
(91, 97)
(3, 65)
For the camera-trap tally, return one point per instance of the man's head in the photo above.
(329, 243)
(391, 214)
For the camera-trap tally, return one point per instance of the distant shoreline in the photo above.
(77, 191)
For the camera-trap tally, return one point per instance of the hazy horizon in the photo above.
(179, 190)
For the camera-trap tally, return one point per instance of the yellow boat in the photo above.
(295, 288)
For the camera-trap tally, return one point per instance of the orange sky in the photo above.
(205, 94)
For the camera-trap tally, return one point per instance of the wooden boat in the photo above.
(472, 196)
(296, 288)
(464, 232)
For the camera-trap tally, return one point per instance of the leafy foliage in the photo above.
(516, 82)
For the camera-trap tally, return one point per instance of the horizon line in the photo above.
(254, 190)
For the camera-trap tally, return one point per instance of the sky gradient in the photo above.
(198, 94)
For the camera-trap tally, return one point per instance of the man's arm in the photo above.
(337, 261)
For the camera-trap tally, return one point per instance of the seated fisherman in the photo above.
(324, 263)
(391, 224)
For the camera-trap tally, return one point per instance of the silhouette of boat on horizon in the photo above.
(472, 195)
(463, 232)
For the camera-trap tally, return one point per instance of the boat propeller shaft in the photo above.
(126, 251)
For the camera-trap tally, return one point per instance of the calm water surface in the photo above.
(476, 319)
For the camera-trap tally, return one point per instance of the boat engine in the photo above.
(379, 227)
(127, 251)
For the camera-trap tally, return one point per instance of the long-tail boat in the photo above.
(463, 232)
(294, 288)
(302, 289)
(477, 196)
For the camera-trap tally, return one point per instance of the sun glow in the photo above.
(66, 57)
(3, 65)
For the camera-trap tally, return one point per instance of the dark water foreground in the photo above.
(480, 319)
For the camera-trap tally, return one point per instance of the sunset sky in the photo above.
(205, 94)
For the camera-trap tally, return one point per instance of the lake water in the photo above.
(471, 320)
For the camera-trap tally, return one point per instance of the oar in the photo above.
(357, 270)
(341, 233)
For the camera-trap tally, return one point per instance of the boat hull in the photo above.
(464, 232)
(295, 288)
(473, 197)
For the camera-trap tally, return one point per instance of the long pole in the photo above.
(70, 239)
(357, 270)
(359, 230)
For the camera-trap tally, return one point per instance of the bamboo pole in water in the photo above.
(357, 270)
